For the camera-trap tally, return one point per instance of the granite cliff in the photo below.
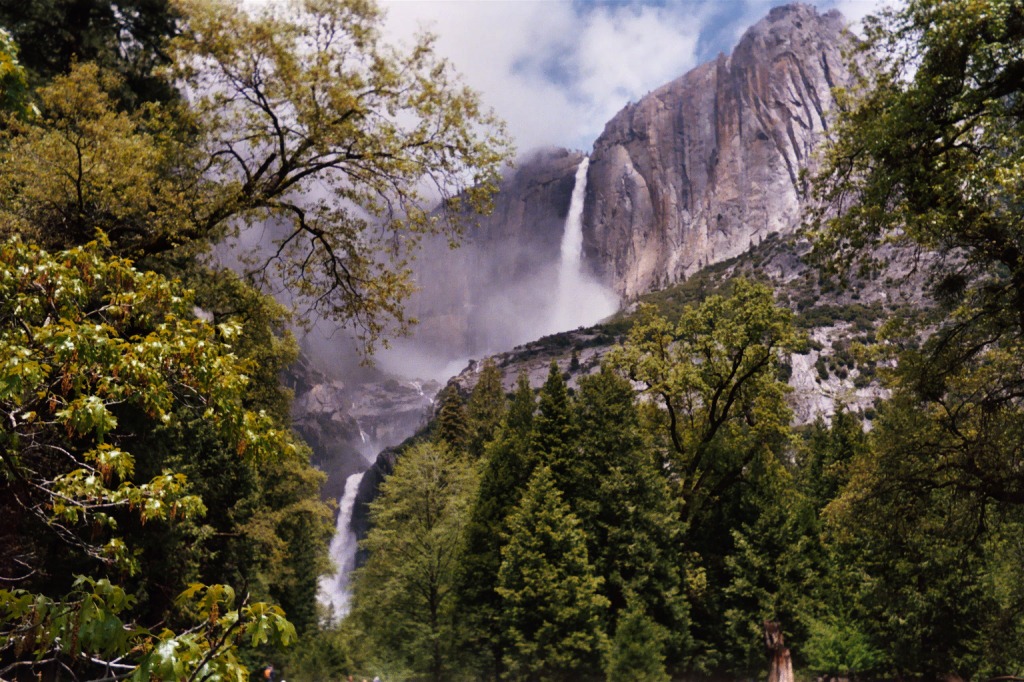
(706, 166)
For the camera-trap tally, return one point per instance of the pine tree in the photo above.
(404, 597)
(552, 607)
(553, 432)
(506, 472)
(623, 499)
(637, 651)
(522, 407)
(451, 420)
(485, 408)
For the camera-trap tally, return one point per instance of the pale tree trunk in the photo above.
(780, 668)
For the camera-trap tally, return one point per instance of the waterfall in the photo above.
(334, 588)
(572, 238)
(579, 300)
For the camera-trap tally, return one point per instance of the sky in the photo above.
(557, 70)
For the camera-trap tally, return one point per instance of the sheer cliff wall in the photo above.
(706, 166)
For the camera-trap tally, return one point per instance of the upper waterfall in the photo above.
(579, 299)
(572, 238)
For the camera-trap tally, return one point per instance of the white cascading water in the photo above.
(334, 588)
(580, 300)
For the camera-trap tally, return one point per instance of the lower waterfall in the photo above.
(334, 592)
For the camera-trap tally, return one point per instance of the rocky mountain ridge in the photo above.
(835, 319)
(482, 295)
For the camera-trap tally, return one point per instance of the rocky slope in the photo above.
(347, 424)
(835, 318)
(704, 167)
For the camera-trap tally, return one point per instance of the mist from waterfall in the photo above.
(334, 592)
(580, 300)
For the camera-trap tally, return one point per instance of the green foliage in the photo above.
(485, 408)
(322, 654)
(506, 470)
(552, 606)
(769, 565)
(404, 604)
(860, 316)
(86, 623)
(14, 90)
(840, 648)
(637, 650)
(128, 417)
(224, 630)
(624, 502)
(127, 38)
(828, 454)
(927, 149)
(715, 373)
(917, 540)
(553, 430)
(267, 344)
(95, 353)
(451, 426)
(927, 154)
(83, 165)
(930, 157)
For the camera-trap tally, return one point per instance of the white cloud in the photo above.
(556, 71)
(555, 74)
(622, 54)
(856, 10)
(485, 41)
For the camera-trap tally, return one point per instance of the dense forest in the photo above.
(663, 519)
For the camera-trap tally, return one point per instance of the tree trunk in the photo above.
(780, 668)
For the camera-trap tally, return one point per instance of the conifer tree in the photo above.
(553, 610)
(485, 408)
(404, 595)
(826, 459)
(637, 651)
(521, 409)
(553, 433)
(506, 472)
(451, 420)
(625, 505)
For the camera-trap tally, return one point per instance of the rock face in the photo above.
(473, 299)
(346, 425)
(706, 166)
